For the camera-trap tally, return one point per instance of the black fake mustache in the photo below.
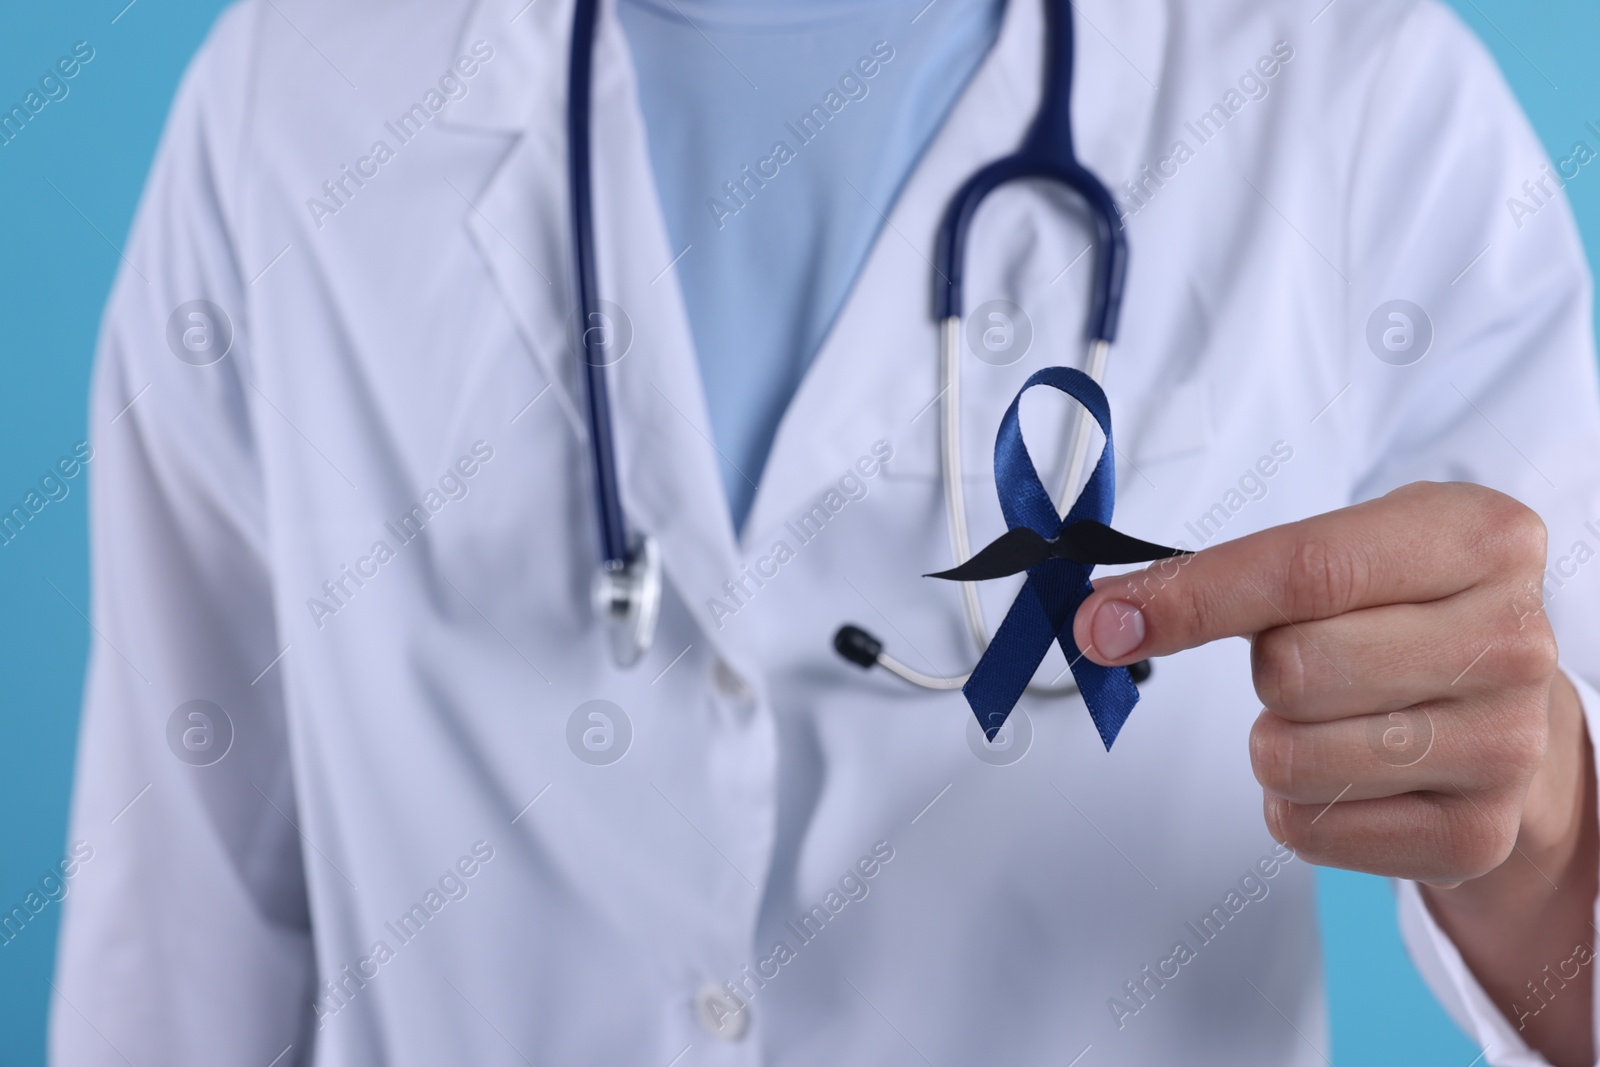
(1085, 541)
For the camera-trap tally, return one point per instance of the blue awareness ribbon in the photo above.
(1058, 553)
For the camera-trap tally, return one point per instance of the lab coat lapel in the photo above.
(668, 468)
(876, 376)
(518, 219)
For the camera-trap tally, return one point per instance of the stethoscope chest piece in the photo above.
(628, 599)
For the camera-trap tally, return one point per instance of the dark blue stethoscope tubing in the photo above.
(1111, 245)
(1046, 154)
(602, 447)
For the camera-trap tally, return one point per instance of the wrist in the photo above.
(1535, 910)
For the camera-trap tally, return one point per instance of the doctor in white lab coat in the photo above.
(360, 783)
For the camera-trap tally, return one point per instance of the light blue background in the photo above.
(56, 268)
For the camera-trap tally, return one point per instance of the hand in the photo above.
(1406, 668)
(1415, 724)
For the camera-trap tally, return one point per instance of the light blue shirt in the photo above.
(780, 133)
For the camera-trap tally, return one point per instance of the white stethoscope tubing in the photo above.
(956, 500)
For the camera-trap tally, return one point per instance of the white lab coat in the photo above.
(424, 713)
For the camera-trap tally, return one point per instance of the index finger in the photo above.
(1417, 544)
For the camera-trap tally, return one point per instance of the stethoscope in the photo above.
(627, 588)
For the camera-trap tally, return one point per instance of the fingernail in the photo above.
(1117, 630)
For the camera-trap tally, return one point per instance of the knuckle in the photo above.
(1279, 667)
(1528, 655)
(1322, 580)
(1476, 837)
(1197, 612)
(1278, 814)
(1272, 755)
(1524, 738)
(1510, 535)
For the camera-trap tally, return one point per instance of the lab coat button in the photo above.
(728, 682)
(720, 1014)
